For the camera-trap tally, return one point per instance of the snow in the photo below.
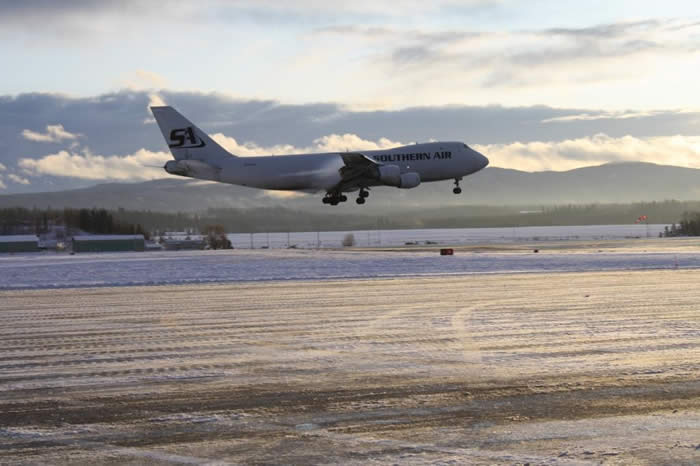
(26, 271)
(592, 368)
(452, 236)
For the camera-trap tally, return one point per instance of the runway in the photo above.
(565, 368)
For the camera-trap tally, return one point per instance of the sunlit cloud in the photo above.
(145, 165)
(568, 66)
(330, 143)
(576, 153)
(531, 156)
(154, 100)
(143, 80)
(592, 116)
(54, 133)
(18, 179)
(141, 165)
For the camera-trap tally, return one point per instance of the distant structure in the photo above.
(54, 238)
(19, 243)
(108, 243)
(180, 240)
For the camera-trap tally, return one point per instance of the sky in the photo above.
(535, 85)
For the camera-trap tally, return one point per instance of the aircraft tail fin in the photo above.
(185, 140)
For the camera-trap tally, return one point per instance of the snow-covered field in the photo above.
(546, 368)
(451, 236)
(303, 356)
(25, 271)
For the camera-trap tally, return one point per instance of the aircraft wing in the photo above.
(359, 170)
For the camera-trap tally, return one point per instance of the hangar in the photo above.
(108, 243)
(19, 243)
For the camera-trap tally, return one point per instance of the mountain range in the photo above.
(609, 183)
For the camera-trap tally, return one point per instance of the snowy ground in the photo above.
(452, 236)
(43, 270)
(543, 368)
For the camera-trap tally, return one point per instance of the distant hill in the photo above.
(619, 183)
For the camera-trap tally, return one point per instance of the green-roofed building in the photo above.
(108, 243)
(19, 243)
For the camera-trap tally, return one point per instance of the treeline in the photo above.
(688, 226)
(664, 212)
(326, 218)
(37, 221)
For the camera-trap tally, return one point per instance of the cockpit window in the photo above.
(465, 146)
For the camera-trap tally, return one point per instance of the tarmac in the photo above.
(562, 368)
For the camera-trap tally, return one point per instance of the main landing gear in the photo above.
(457, 189)
(364, 194)
(334, 198)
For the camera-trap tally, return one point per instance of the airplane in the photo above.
(198, 156)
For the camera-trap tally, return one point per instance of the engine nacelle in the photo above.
(192, 169)
(390, 174)
(409, 180)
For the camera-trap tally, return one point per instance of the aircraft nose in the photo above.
(481, 160)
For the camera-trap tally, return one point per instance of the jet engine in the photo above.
(409, 180)
(391, 175)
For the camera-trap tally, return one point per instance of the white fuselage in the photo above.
(433, 161)
(196, 155)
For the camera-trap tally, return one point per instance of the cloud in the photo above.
(396, 54)
(143, 80)
(575, 153)
(570, 66)
(546, 47)
(18, 179)
(141, 165)
(154, 100)
(113, 125)
(54, 133)
(528, 156)
(33, 10)
(624, 115)
(2, 185)
(145, 165)
(330, 143)
(2, 167)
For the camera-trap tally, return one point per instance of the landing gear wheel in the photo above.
(457, 189)
(360, 200)
(363, 193)
(334, 198)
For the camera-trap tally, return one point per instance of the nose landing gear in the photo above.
(457, 189)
